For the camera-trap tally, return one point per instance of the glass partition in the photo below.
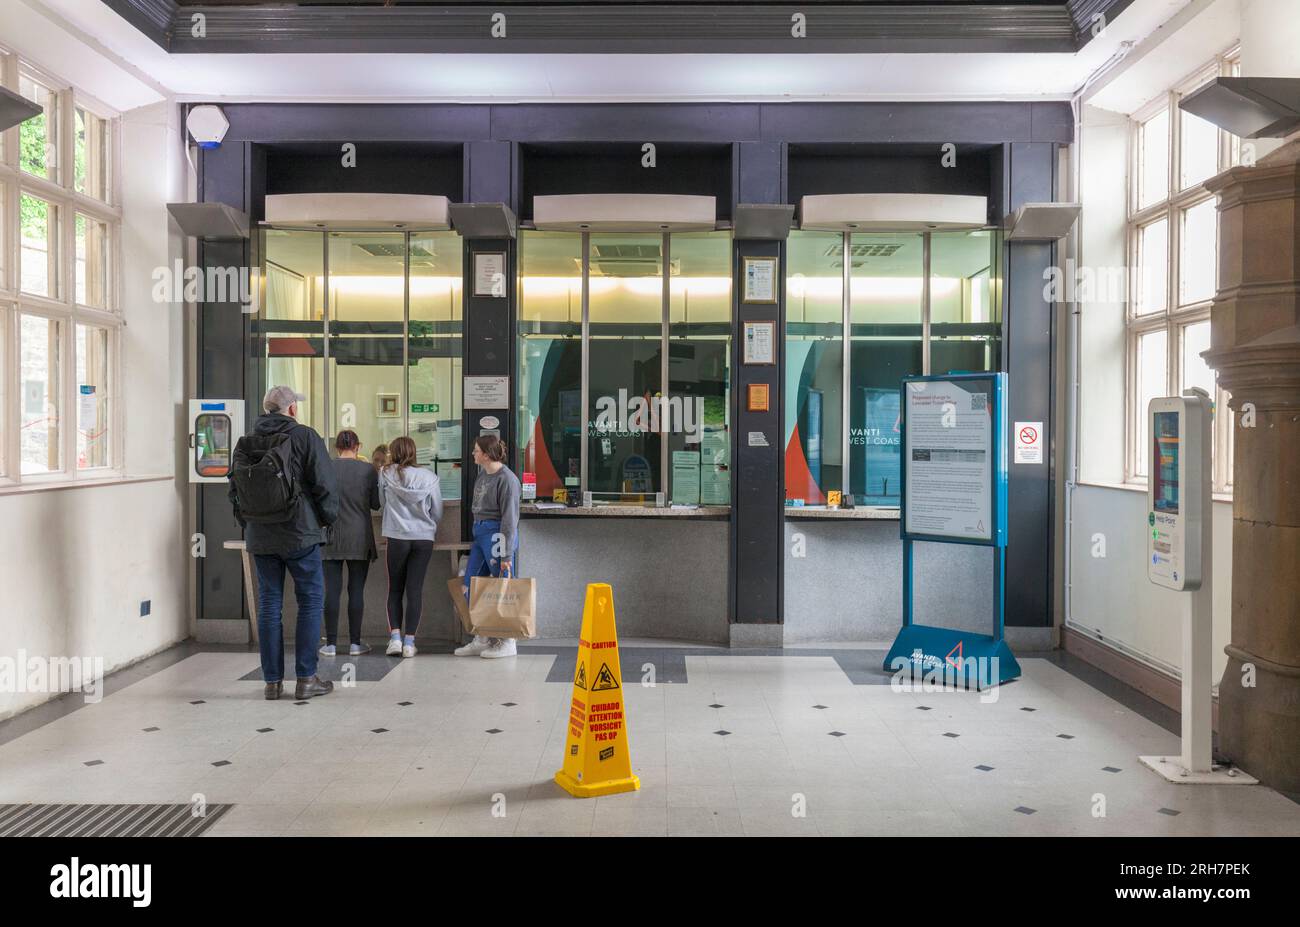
(886, 315)
(433, 346)
(699, 368)
(293, 319)
(657, 313)
(367, 325)
(965, 301)
(911, 303)
(367, 280)
(814, 371)
(550, 359)
(625, 368)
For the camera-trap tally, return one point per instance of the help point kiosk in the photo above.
(1180, 556)
(954, 491)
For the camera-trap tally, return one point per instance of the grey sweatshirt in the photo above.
(412, 502)
(496, 498)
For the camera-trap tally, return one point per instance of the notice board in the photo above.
(954, 459)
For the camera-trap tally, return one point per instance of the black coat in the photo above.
(354, 532)
(318, 504)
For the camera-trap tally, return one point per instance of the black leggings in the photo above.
(408, 561)
(357, 570)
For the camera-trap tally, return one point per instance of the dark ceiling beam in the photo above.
(152, 18)
(630, 28)
(1085, 13)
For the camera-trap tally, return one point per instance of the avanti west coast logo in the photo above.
(76, 879)
(640, 414)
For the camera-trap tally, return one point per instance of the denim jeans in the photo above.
(309, 588)
(482, 562)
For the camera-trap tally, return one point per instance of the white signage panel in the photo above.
(949, 466)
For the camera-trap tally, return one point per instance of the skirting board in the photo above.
(221, 631)
(1030, 640)
(1151, 682)
(757, 635)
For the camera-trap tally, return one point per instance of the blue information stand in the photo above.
(962, 658)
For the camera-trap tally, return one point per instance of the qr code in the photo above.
(979, 402)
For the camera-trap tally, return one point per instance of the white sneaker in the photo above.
(474, 648)
(500, 647)
(327, 650)
(357, 650)
(408, 650)
(394, 647)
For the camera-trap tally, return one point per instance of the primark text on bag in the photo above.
(503, 607)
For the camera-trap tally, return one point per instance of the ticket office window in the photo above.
(906, 303)
(367, 325)
(635, 312)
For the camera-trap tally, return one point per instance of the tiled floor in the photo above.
(800, 735)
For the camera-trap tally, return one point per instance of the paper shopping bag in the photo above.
(503, 607)
(457, 592)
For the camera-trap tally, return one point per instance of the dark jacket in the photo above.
(354, 532)
(318, 503)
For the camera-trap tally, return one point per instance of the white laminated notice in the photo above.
(949, 459)
(487, 392)
(758, 439)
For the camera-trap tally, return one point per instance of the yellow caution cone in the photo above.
(597, 756)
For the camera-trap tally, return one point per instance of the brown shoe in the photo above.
(312, 686)
(273, 690)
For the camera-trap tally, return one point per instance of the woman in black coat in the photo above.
(353, 543)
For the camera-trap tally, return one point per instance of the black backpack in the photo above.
(262, 474)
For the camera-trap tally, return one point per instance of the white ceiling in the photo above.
(85, 43)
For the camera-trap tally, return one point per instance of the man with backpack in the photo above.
(283, 490)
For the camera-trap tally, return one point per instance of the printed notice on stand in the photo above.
(950, 459)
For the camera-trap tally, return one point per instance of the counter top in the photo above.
(872, 512)
(530, 509)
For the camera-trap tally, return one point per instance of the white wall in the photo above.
(1270, 46)
(76, 563)
(1109, 597)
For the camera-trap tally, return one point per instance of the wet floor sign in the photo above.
(597, 757)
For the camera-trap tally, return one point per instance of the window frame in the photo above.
(664, 491)
(60, 191)
(1176, 315)
(996, 307)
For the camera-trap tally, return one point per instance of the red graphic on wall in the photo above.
(799, 482)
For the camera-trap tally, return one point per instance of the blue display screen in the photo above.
(1164, 461)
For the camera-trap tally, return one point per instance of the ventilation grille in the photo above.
(106, 820)
(394, 251)
(864, 250)
(628, 261)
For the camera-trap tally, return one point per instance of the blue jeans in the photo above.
(482, 562)
(309, 588)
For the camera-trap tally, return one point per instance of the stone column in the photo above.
(1255, 347)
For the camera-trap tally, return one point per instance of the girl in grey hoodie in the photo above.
(412, 503)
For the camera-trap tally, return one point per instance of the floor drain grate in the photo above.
(67, 820)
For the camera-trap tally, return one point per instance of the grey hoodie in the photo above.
(412, 503)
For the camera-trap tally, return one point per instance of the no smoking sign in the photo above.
(1029, 442)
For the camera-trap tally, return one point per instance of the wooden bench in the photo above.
(454, 550)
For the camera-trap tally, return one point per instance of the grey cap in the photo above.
(279, 398)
